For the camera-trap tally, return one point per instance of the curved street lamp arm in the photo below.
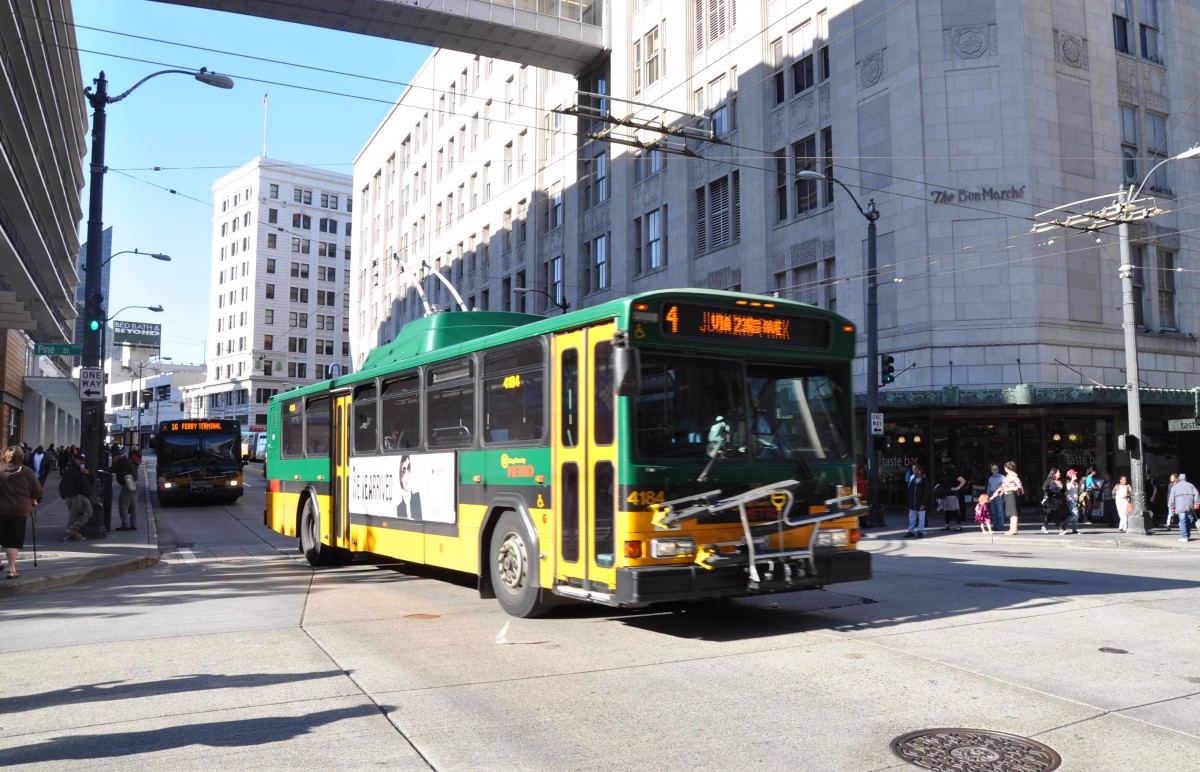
(563, 305)
(871, 213)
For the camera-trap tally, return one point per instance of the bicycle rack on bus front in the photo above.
(781, 496)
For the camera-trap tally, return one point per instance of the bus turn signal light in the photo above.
(633, 549)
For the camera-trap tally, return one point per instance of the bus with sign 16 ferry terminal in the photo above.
(669, 446)
(198, 458)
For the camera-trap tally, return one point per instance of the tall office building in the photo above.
(676, 160)
(278, 313)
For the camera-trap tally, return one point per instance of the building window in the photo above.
(595, 180)
(554, 211)
(781, 186)
(804, 156)
(269, 316)
(650, 248)
(274, 190)
(1166, 290)
(596, 270)
(554, 282)
(1148, 30)
(269, 292)
(1137, 256)
(302, 195)
(711, 19)
(1129, 142)
(652, 57)
(718, 213)
(1156, 152)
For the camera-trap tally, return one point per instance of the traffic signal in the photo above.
(141, 412)
(887, 368)
(94, 313)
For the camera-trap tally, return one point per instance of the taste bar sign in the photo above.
(1011, 193)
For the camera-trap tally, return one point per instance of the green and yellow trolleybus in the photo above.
(198, 458)
(670, 446)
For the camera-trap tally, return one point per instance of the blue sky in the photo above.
(197, 133)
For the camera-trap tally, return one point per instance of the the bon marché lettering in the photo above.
(1011, 193)
(371, 487)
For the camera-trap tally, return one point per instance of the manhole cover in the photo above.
(976, 750)
(980, 584)
(422, 616)
(1036, 581)
(1111, 650)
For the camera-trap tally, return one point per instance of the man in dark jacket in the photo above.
(77, 488)
(125, 478)
(918, 497)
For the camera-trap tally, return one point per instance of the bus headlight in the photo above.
(166, 484)
(677, 547)
(834, 537)
(232, 483)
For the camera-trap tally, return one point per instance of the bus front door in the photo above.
(339, 520)
(585, 464)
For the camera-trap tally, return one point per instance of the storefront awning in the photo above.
(1027, 395)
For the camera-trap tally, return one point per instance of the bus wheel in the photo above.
(315, 552)
(512, 575)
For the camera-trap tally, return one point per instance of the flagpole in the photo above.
(264, 126)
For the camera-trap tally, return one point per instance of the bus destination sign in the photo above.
(745, 325)
(197, 426)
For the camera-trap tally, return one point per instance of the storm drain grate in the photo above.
(1036, 581)
(980, 584)
(977, 750)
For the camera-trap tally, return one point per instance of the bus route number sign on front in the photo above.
(744, 325)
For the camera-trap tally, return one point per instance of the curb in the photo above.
(68, 578)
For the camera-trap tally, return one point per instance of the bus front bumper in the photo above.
(644, 585)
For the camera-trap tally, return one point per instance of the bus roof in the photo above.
(453, 333)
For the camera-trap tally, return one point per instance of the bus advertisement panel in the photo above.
(674, 445)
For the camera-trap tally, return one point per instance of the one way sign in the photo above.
(91, 383)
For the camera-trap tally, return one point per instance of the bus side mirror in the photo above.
(627, 370)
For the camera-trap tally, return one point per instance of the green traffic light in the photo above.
(94, 325)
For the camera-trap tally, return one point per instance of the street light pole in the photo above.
(92, 410)
(1137, 475)
(871, 214)
(1126, 208)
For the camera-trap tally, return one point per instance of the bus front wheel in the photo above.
(512, 573)
(315, 552)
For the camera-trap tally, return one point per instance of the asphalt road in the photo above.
(232, 653)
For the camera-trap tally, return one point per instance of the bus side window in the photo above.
(316, 426)
(365, 421)
(292, 434)
(400, 413)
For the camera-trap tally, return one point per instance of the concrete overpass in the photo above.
(563, 35)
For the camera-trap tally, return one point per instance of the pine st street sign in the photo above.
(57, 350)
(91, 383)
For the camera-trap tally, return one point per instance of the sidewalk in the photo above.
(62, 562)
(1030, 532)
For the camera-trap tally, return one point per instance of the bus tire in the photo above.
(314, 551)
(512, 574)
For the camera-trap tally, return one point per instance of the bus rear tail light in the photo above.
(677, 547)
(855, 536)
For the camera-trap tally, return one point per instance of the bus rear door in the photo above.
(585, 464)
(339, 520)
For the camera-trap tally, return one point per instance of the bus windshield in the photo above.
(198, 449)
(692, 408)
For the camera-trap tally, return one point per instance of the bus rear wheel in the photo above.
(512, 572)
(315, 552)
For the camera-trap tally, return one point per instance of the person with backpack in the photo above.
(77, 488)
